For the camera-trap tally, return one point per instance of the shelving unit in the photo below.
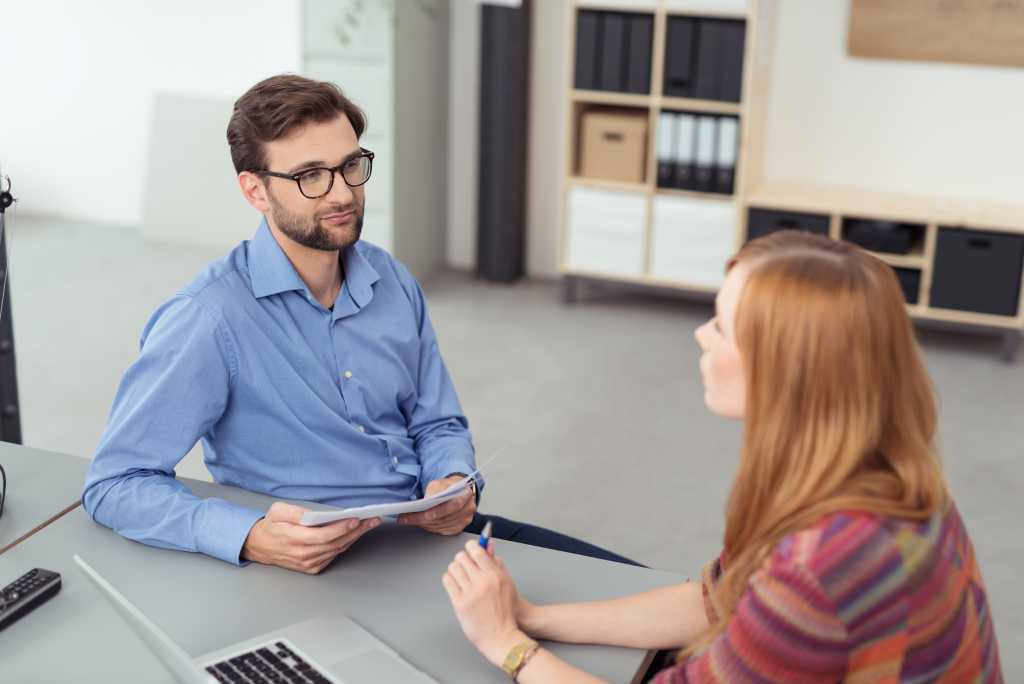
(961, 266)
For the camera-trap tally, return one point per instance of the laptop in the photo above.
(324, 649)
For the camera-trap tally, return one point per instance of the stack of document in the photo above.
(316, 518)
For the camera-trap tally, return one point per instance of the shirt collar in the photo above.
(360, 275)
(272, 273)
(269, 268)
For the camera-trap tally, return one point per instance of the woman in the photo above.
(844, 557)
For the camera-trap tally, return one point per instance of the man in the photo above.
(304, 360)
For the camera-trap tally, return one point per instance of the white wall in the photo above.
(545, 161)
(463, 131)
(352, 44)
(422, 70)
(80, 79)
(922, 128)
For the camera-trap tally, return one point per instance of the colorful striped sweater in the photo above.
(857, 598)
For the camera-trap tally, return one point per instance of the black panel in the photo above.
(10, 415)
(501, 200)
(730, 60)
(977, 271)
(763, 221)
(679, 57)
(709, 50)
(718, 68)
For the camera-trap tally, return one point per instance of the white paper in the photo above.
(315, 518)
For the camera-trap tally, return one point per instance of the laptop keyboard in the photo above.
(274, 663)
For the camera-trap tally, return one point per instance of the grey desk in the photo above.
(389, 582)
(41, 485)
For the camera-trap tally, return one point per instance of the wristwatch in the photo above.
(472, 484)
(517, 658)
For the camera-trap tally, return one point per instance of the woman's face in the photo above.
(725, 389)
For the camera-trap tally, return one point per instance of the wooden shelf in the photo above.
(689, 104)
(694, 194)
(704, 13)
(580, 181)
(706, 8)
(607, 97)
(611, 98)
(618, 5)
(971, 318)
(850, 202)
(915, 311)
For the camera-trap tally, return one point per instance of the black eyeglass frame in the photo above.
(333, 170)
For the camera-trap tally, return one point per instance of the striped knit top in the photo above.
(857, 597)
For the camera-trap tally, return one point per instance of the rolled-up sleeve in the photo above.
(172, 395)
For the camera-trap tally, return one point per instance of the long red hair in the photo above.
(840, 411)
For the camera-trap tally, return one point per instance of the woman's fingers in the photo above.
(450, 585)
(460, 573)
(482, 559)
(468, 559)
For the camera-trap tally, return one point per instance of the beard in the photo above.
(306, 229)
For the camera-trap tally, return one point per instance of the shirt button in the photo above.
(348, 375)
(394, 459)
(360, 428)
(413, 497)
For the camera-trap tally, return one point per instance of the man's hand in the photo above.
(449, 518)
(279, 539)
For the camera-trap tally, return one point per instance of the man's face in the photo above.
(331, 222)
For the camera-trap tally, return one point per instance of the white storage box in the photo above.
(606, 232)
(693, 238)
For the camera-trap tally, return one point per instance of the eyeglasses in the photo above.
(316, 182)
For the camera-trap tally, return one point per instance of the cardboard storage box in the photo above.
(613, 145)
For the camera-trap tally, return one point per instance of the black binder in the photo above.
(704, 154)
(587, 31)
(638, 63)
(613, 51)
(732, 35)
(726, 147)
(709, 39)
(666, 148)
(685, 151)
(10, 413)
(679, 50)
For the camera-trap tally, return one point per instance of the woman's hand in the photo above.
(485, 600)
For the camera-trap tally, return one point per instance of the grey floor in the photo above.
(594, 412)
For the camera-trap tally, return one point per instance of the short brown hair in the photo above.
(275, 106)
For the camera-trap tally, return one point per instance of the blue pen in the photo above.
(485, 536)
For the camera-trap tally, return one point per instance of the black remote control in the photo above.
(25, 593)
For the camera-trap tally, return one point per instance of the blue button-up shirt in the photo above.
(346, 407)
